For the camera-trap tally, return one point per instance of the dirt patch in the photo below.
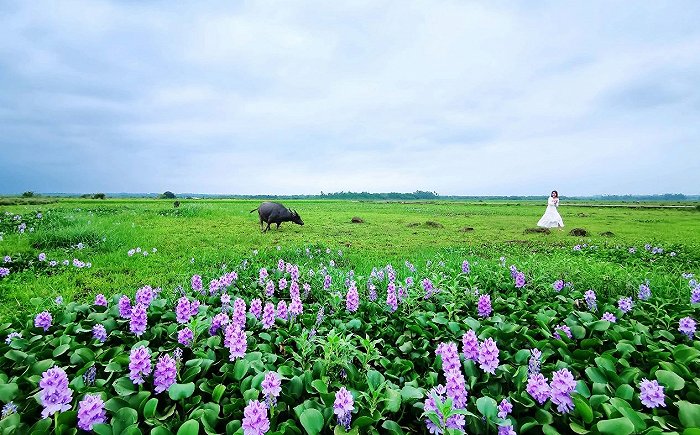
(537, 230)
(578, 232)
(433, 224)
(583, 215)
(357, 220)
(607, 234)
(467, 229)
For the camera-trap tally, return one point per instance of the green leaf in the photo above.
(393, 403)
(583, 408)
(487, 407)
(240, 369)
(218, 393)
(624, 391)
(686, 354)
(354, 324)
(616, 426)
(124, 418)
(149, 410)
(374, 379)
(406, 347)
(60, 350)
(190, 427)
(596, 375)
(8, 392)
(392, 427)
(319, 386)
(124, 387)
(160, 430)
(670, 380)
(181, 391)
(408, 392)
(688, 414)
(312, 420)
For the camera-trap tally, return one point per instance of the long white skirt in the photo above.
(551, 218)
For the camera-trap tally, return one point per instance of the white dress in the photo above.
(551, 217)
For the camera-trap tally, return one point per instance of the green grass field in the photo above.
(218, 232)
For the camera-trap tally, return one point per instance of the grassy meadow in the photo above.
(386, 305)
(218, 232)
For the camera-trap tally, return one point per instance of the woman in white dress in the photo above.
(551, 217)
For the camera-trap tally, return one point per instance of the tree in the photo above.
(99, 196)
(167, 195)
(28, 194)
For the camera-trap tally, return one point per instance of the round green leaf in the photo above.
(181, 391)
(689, 414)
(616, 426)
(190, 427)
(312, 420)
(670, 380)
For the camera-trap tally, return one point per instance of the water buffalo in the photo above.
(276, 213)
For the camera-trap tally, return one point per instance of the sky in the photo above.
(298, 97)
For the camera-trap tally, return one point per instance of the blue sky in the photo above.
(459, 97)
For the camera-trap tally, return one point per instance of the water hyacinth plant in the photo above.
(311, 360)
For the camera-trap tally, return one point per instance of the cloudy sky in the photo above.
(459, 97)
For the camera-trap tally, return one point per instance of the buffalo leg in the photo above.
(267, 228)
(278, 225)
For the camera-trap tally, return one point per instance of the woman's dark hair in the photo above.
(554, 191)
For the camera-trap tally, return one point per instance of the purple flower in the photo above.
(255, 421)
(144, 295)
(343, 406)
(165, 374)
(124, 307)
(577, 248)
(11, 335)
(449, 356)
(139, 364)
(99, 333)
(42, 257)
(561, 387)
(372, 292)
(687, 326)
(519, 280)
(225, 299)
(55, 394)
(91, 410)
(239, 312)
(4, 271)
(391, 300)
(8, 408)
(271, 388)
(43, 320)
(563, 328)
(183, 310)
(7, 259)
(89, 376)
(488, 356)
(268, 317)
(270, 289)
(282, 284)
(101, 300)
(319, 316)
(296, 308)
(558, 285)
(470, 345)
(217, 322)
(589, 297)
(282, 310)
(185, 336)
(294, 290)
(428, 288)
(625, 304)
(465, 267)
(644, 292)
(695, 295)
(196, 283)
(632, 250)
(651, 394)
(506, 429)
(327, 281)
(484, 306)
(504, 408)
(610, 317)
(534, 362)
(352, 299)
(538, 388)
(137, 325)
(256, 308)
